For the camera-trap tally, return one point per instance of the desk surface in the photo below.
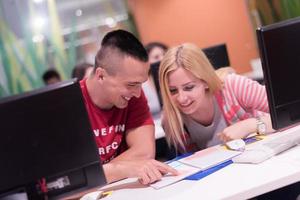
(236, 181)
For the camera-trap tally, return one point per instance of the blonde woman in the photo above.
(200, 110)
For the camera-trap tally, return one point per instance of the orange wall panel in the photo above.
(203, 22)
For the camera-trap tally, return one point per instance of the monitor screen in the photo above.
(154, 70)
(46, 134)
(217, 55)
(279, 46)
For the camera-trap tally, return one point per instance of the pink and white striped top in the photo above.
(241, 98)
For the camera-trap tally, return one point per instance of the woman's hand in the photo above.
(238, 130)
(244, 128)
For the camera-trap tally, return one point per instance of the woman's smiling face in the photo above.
(188, 92)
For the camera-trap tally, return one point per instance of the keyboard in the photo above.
(267, 148)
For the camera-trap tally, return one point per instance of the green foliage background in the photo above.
(22, 62)
(271, 11)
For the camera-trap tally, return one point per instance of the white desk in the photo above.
(236, 181)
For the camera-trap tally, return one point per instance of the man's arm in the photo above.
(141, 144)
(138, 160)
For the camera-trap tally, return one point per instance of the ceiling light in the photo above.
(110, 22)
(38, 1)
(38, 23)
(78, 12)
(38, 38)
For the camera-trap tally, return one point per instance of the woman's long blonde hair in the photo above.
(192, 59)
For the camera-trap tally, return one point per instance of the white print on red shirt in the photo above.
(108, 148)
(112, 140)
(109, 130)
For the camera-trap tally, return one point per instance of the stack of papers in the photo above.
(195, 163)
(209, 157)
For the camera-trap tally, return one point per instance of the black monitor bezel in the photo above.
(280, 114)
(90, 170)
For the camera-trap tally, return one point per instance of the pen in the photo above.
(105, 194)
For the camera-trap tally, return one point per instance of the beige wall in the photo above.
(203, 22)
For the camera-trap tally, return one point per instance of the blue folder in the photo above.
(202, 174)
(208, 171)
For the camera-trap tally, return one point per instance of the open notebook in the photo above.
(195, 163)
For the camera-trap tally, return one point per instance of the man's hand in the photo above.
(147, 171)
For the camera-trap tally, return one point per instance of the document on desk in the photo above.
(195, 163)
(209, 157)
(183, 170)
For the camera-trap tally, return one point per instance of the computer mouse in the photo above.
(236, 145)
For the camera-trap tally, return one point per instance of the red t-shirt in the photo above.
(109, 126)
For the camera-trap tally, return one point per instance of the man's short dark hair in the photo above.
(125, 42)
(50, 74)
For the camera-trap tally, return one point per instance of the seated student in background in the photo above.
(118, 111)
(156, 51)
(82, 71)
(51, 76)
(201, 110)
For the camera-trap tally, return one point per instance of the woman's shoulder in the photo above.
(235, 76)
(233, 79)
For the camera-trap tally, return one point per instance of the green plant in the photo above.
(271, 11)
(22, 61)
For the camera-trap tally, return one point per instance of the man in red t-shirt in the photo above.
(118, 110)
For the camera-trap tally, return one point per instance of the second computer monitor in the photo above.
(217, 55)
(279, 46)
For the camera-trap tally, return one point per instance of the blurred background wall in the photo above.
(203, 22)
(36, 35)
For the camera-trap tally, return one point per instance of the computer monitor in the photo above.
(154, 70)
(217, 55)
(279, 46)
(46, 141)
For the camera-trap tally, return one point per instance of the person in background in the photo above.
(82, 71)
(118, 111)
(200, 109)
(51, 76)
(156, 51)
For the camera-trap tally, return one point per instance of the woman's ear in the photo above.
(206, 87)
